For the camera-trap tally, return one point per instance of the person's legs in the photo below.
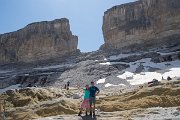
(80, 112)
(94, 109)
(90, 101)
(92, 105)
(81, 108)
(94, 102)
(87, 109)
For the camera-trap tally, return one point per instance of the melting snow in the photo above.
(125, 75)
(101, 81)
(144, 78)
(107, 63)
(108, 85)
(174, 72)
(172, 69)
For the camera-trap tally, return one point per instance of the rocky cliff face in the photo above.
(38, 41)
(146, 22)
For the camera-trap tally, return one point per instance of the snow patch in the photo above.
(171, 69)
(101, 81)
(125, 75)
(106, 63)
(108, 85)
(144, 77)
(174, 72)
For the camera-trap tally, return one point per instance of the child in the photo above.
(85, 104)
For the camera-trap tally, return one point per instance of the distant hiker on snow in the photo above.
(85, 104)
(94, 91)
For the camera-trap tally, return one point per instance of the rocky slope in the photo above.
(38, 41)
(142, 24)
(116, 70)
(31, 103)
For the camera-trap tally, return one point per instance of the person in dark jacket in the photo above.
(94, 91)
(68, 83)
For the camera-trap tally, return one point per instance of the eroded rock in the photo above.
(142, 24)
(38, 41)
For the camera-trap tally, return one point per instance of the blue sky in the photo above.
(85, 17)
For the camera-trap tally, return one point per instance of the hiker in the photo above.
(169, 78)
(94, 91)
(85, 104)
(68, 85)
(65, 86)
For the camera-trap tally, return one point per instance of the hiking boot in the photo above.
(79, 114)
(94, 114)
(86, 114)
(90, 114)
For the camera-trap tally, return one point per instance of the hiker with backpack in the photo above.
(67, 86)
(94, 91)
(85, 104)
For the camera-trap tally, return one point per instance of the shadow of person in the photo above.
(88, 118)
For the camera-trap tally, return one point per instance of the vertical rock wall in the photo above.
(144, 22)
(38, 41)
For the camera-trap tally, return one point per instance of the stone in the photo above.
(76, 96)
(38, 41)
(142, 24)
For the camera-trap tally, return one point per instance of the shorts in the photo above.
(92, 100)
(85, 104)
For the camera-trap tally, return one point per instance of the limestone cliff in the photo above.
(144, 22)
(38, 41)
